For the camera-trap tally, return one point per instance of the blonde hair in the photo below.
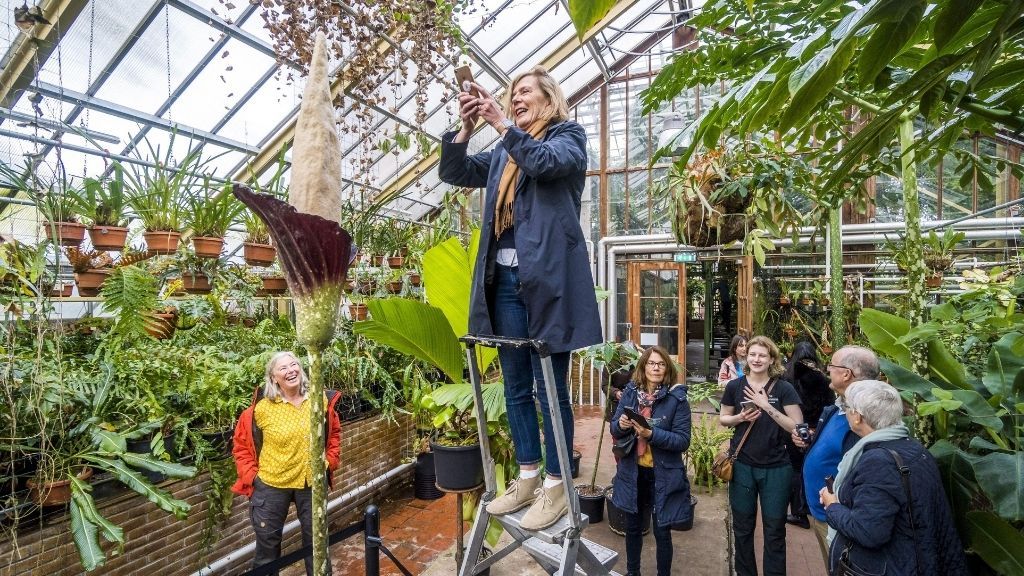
(557, 108)
(775, 368)
(271, 390)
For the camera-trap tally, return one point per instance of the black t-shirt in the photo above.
(766, 445)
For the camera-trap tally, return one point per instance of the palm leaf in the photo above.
(996, 541)
(417, 329)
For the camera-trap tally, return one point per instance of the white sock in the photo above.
(524, 473)
(550, 482)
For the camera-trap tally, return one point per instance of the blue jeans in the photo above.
(521, 368)
(634, 529)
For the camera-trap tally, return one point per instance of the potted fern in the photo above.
(937, 252)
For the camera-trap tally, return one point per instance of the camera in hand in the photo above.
(803, 431)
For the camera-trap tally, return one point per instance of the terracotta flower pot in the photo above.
(163, 326)
(357, 311)
(62, 291)
(258, 254)
(162, 241)
(55, 493)
(933, 280)
(65, 233)
(415, 279)
(395, 261)
(275, 285)
(395, 287)
(208, 246)
(196, 283)
(108, 237)
(90, 281)
(376, 260)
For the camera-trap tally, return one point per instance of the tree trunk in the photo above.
(916, 272)
(317, 460)
(835, 240)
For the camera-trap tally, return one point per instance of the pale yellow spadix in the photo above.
(316, 156)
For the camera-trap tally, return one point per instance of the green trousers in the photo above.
(771, 487)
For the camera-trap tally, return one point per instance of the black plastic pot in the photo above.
(424, 480)
(220, 442)
(458, 468)
(592, 505)
(575, 466)
(617, 517)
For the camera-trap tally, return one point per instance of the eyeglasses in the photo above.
(830, 365)
(654, 364)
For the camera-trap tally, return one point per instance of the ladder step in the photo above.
(553, 534)
(551, 554)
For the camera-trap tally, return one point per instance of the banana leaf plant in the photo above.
(428, 332)
(979, 419)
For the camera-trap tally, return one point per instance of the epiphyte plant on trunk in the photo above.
(315, 253)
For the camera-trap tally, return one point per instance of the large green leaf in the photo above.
(998, 543)
(417, 329)
(447, 280)
(812, 82)
(944, 367)
(586, 13)
(883, 331)
(134, 480)
(951, 18)
(887, 41)
(1001, 476)
(460, 397)
(906, 380)
(1004, 375)
(85, 535)
(147, 462)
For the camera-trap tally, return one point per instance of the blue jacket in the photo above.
(872, 514)
(554, 266)
(822, 459)
(671, 413)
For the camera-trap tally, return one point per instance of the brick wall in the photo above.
(157, 543)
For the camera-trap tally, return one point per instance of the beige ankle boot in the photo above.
(549, 507)
(519, 494)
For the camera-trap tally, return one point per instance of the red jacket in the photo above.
(249, 441)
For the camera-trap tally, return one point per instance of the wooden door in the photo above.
(656, 309)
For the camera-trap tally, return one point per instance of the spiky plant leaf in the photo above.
(137, 482)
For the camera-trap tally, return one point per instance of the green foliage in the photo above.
(586, 13)
(706, 438)
(130, 294)
(157, 189)
(417, 329)
(103, 203)
(210, 210)
(978, 415)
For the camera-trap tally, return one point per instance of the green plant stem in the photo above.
(835, 239)
(604, 420)
(317, 463)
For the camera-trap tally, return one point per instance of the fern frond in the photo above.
(130, 294)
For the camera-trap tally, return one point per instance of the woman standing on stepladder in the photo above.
(532, 275)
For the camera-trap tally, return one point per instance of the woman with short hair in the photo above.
(884, 520)
(271, 450)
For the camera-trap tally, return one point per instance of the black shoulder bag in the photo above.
(846, 566)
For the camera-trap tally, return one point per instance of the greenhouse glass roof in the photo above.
(118, 78)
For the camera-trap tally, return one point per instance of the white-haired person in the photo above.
(887, 512)
(271, 450)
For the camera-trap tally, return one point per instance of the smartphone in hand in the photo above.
(637, 418)
(463, 74)
(747, 405)
(829, 481)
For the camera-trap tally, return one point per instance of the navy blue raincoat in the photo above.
(670, 415)
(554, 267)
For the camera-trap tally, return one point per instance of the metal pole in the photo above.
(564, 460)
(371, 540)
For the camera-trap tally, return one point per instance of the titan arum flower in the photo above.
(315, 253)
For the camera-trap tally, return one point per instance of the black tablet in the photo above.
(637, 418)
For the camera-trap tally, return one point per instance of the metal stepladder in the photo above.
(559, 549)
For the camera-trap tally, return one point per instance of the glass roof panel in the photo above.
(226, 11)
(141, 81)
(220, 85)
(505, 24)
(271, 103)
(112, 24)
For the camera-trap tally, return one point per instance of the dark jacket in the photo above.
(554, 267)
(872, 514)
(671, 438)
(248, 442)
